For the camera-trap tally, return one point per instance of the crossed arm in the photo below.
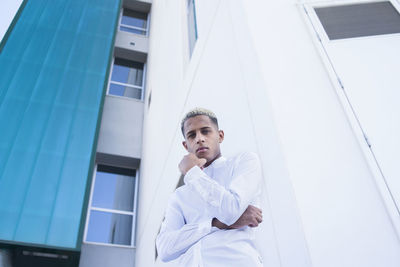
(176, 236)
(230, 208)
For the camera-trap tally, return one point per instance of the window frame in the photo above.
(146, 30)
(133, 213)
(127, 84)
(191, 48)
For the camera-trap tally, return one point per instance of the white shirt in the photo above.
(222, 190)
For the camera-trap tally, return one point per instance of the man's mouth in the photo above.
(201, 149)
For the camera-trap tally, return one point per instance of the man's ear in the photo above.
(184, 145)
(221, 136)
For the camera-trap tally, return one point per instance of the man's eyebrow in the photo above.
(202, 128)
(192, 131)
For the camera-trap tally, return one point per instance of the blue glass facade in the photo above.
(53, 70)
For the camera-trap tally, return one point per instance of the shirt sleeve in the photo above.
(227, 205)
(175, 236)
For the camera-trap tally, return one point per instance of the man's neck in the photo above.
(211, 161)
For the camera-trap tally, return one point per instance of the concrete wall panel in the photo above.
(121, 127)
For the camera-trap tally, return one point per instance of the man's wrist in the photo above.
(216, 223)
(189, 174)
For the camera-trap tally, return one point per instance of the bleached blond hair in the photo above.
(196, 112)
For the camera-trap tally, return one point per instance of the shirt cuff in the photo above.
(205, 227)
(195, 171)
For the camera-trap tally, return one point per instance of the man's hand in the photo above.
(252, 216)
(189, 161)
(220, 225)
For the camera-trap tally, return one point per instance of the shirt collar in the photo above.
(216, 163)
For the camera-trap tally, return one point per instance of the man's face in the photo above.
(202, 138)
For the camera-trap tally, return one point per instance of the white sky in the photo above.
(8, 9)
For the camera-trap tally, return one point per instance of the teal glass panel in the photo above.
(53, 68)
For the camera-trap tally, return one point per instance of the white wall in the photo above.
(8, 9)
(121, 127)
(106, 256)
(344, 219)
(368, 91)
(256, 66)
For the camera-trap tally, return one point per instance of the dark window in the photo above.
(134, 22)
(348, 21)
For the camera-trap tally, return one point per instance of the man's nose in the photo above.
(200, 138)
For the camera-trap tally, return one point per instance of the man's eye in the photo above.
(205, 131)
(190, 135)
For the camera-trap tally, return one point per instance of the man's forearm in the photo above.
(252, 216)
(227, 204)
(173, 243)
(220, 225)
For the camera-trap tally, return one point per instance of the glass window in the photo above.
(357, 20)
(112, 190)
(111, 228)
(126, 78)
(192, 25)
(112, 208)
(133, 22)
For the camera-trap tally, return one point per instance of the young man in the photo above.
(209, 220)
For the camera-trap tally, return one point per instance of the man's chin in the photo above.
(202, 156)
(199, 154)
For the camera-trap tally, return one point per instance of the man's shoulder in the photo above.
(175, 198)
(244, 156)
(247, 159)
(179, 192)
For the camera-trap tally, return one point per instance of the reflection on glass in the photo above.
(133, 20)
(126, 71)
(111, 228)
(133, 92)
(122, 90)
(113, 191)
(132, 30)
(192, 26)
(116, 89)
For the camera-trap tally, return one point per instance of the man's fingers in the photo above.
(254, 210)
(190, 160)
(251, 207)
(254, 223)
(202, 162)
(259, 214)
